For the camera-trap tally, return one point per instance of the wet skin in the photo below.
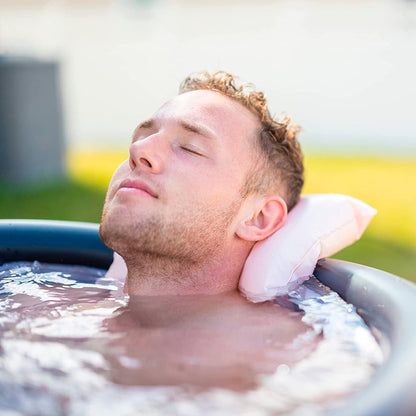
(206, 341)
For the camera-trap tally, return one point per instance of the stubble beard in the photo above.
(188, 239)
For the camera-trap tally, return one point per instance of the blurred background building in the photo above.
(343, 69)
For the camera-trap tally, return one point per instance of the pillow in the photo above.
(118, 268)
(318, 226)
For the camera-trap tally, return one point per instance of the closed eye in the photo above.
(191, 150)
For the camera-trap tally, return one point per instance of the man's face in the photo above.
(179, 193)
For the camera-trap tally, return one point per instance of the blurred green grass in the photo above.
(388, 184)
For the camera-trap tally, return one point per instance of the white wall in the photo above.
(344, 70)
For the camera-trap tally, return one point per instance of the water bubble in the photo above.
(129, 362)
(294, 294)
(35, 267)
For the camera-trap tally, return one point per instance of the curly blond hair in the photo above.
(281, 169)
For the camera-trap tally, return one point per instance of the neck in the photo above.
(151, 275)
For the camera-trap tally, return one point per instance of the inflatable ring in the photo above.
(386, 302)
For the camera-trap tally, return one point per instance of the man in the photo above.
(209, 174)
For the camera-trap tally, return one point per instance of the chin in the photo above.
(105, 234)
(111, 230)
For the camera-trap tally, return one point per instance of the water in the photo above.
(71, 342)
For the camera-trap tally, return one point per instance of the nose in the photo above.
(148, 154)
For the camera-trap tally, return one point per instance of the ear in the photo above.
(262, 217)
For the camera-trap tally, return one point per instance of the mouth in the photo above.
(136, 186)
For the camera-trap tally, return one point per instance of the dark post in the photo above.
(31, 126)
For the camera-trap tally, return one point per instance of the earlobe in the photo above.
(267, 215)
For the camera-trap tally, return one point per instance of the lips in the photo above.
(136, 185)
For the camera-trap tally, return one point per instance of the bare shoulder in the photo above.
(267, 320)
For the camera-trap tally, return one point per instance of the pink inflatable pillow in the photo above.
(318, 226)
(118, 268)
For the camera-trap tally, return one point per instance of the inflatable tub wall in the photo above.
(386, 302)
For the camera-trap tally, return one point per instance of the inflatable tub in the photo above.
(386, 302)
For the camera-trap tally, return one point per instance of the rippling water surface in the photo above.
(71, 342)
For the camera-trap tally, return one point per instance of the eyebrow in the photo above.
(191, 127)
(197, 128)
(147, 124)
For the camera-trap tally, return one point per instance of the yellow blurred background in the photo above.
(387, 184)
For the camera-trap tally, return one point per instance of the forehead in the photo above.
(222, 115)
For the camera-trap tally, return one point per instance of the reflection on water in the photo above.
(72, 343)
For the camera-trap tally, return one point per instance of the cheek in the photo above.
(217, 188)
(209, 182)
(120, 173)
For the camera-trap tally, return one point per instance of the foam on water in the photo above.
(57, 355)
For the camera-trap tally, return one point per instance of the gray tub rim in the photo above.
(385, 301)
